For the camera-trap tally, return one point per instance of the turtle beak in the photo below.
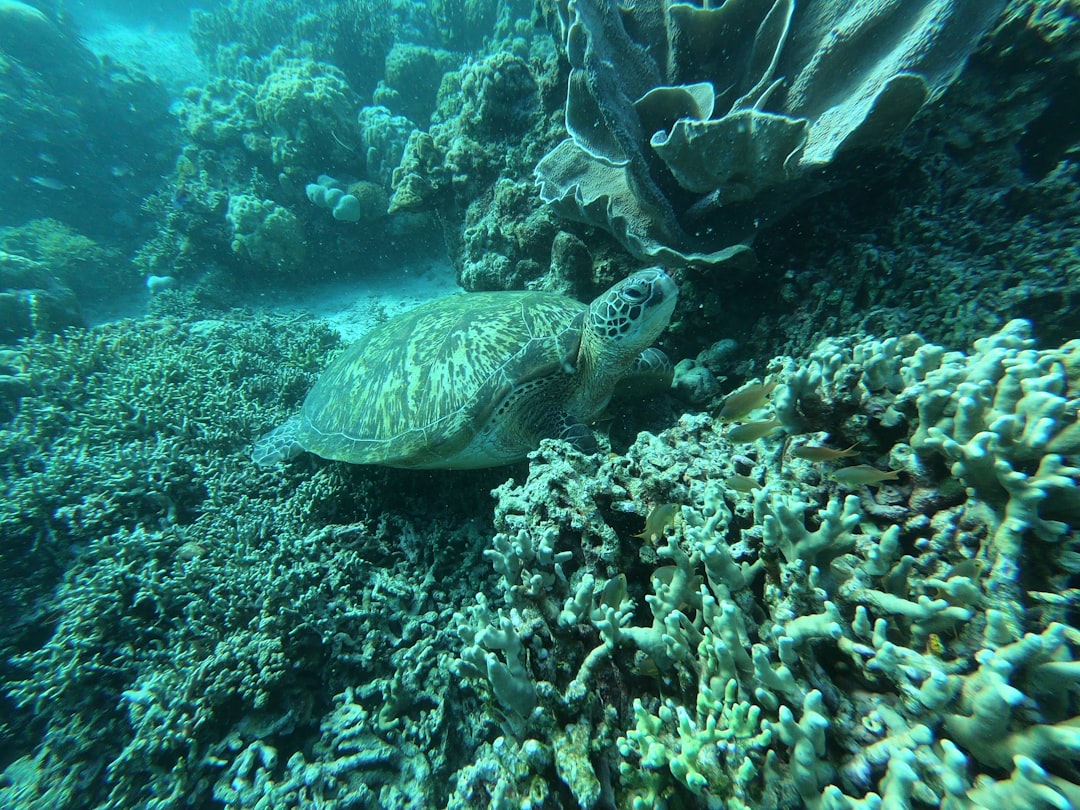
(658, 309)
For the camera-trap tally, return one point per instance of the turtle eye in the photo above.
(636, 293)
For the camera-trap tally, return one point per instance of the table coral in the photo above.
(678, 115)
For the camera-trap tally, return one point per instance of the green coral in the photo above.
(383, 136)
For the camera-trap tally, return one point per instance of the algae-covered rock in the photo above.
(383, 136)
(309, 112)
(266, 233)
(47, 269)
(422, 177)
(73, 259)
(488, 128)
(507, 240)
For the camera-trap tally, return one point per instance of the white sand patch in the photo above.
(353, 307)
(165, 54)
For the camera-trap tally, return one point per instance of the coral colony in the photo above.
(827, 556)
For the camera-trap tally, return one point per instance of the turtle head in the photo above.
(631, 315)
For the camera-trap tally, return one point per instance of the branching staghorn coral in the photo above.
(799, 645)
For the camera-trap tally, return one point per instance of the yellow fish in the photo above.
(741, 483)
(818, 452)
(746, 399)
(752, 431)
(659, 519)
(614, 592)
(863, 474)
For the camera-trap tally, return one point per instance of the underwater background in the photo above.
(836, 566)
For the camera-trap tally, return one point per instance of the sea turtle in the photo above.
(477, 380)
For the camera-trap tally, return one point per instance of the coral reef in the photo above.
(845, 578)
(779, 634)
(465, 149)
(797, 646)
(46, 269)
(265, 233)
(293, 93)
(462, 24)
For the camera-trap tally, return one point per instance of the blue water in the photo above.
(870, 217)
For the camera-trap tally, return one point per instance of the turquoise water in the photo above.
(795, 528)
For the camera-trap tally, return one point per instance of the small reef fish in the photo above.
(614, 592)
(742, 483)
(659, 519)
(818, 452)
(50, 183)
(972, 569)
(752, 431)
(746, 399)
(863, 474)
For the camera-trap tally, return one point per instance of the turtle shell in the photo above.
(416, 390)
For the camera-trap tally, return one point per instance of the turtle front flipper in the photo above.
(650, 374)
(544, 421)
(280, 444)
(651, 369)
(570, 429)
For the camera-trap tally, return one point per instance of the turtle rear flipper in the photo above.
(280, 444)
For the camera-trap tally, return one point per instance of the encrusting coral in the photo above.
(265, 233)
